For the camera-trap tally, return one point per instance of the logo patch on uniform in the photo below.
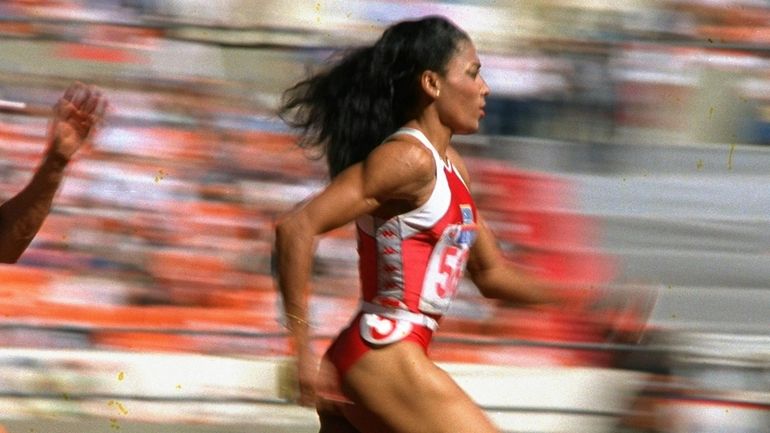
(467, 234)
(380, 330)
(467, 213)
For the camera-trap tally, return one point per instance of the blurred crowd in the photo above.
(631, 71)
(166, 224)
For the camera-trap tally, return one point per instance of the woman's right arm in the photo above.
(294, 238)
(394, 170)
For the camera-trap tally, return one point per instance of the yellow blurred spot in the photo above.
(121, 375)
(730, 157)
(699, 164)
(119, 406)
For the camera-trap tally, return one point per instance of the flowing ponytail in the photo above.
(350, 108)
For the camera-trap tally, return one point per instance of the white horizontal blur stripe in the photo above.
(13, 105)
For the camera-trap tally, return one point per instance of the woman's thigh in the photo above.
(398, 389)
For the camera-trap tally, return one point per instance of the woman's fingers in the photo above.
(70, 92)
(90, 104)
(82, 94)
(101, 107)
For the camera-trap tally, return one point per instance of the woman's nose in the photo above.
(484, 88)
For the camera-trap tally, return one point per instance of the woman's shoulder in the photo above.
(404, 153)
(399, 169)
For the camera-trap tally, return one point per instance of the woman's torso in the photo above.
(414, 260)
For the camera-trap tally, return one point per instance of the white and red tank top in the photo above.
(415, 260)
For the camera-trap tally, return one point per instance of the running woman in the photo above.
(384, 116)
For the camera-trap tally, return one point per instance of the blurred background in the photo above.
(624, 152)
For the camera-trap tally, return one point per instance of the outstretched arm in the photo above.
(75, 117)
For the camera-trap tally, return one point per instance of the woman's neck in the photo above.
(438, 134)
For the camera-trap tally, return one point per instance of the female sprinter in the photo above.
(384, 116)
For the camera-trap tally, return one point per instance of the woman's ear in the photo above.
(429, 81)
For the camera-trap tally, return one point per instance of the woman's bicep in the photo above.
(341, 202)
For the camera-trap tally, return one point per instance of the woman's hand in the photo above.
(307, 374)
(625, 311)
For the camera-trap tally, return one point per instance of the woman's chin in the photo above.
(468, 129)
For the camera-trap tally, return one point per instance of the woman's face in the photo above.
(462, 91)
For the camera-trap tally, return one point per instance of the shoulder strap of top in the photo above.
(416, 133)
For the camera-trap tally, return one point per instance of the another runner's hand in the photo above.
(76, 116)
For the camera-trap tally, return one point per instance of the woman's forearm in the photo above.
(511, 285)
(294, 255)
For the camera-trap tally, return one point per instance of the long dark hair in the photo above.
(350, 108)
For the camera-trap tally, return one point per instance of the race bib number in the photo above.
(445, 269)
